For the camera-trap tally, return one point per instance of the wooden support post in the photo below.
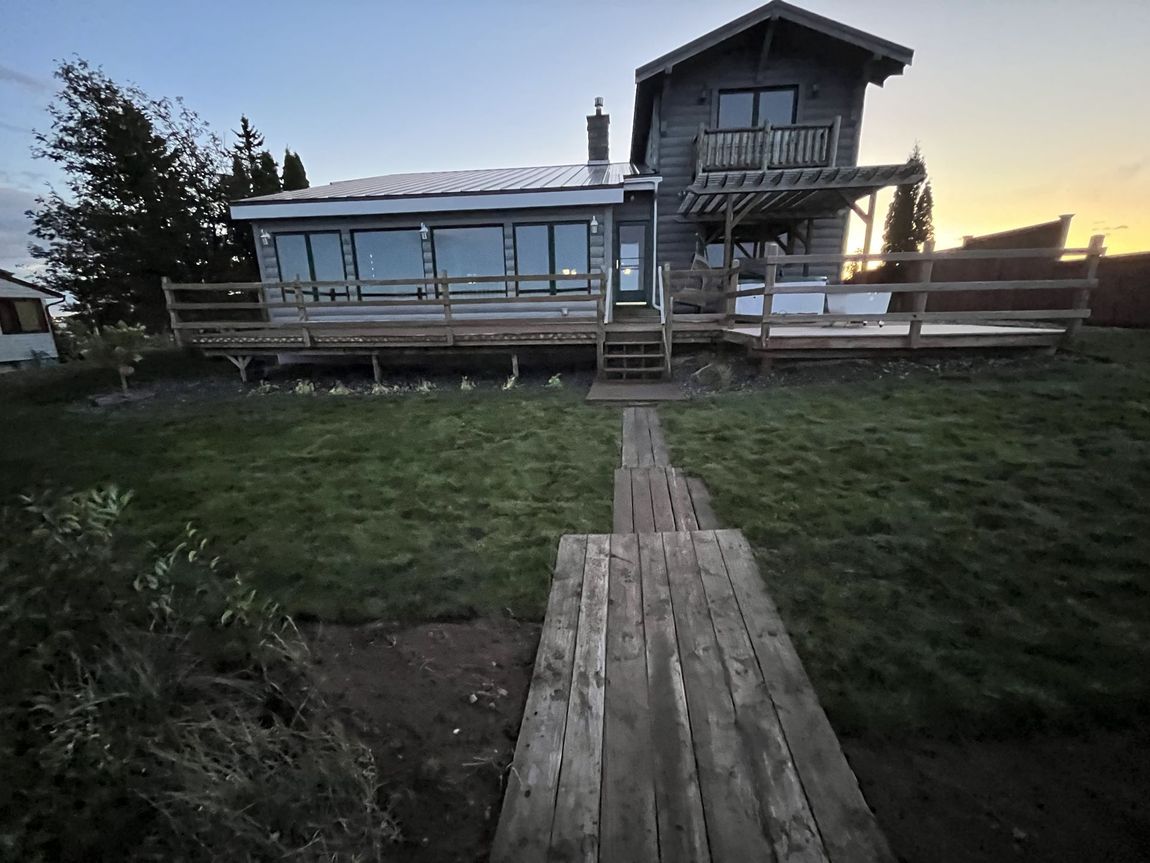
(515, 366)
(729, 230)
(602, 307)
(668, 301)
(446, 300)
(376, 371)
(241, 363)
(769, 277)
(868, 234)
(301, 313)
(732, 285)
(914, 335)
(1082, 297)
(173, 317)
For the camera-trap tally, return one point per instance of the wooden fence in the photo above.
(767, 147)
(708, 298)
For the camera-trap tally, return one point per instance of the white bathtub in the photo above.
(784, 304)
(863, 305)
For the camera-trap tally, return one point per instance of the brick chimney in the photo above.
(598, 134)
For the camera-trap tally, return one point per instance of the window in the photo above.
(22, 316)
(470, 252)
(393, 254)
(742, 109)
(312, 257)
(559, 248)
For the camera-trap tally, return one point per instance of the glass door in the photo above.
(632, 263)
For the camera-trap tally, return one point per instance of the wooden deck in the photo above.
(670, 718)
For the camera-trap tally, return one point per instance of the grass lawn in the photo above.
(953, 553)
(353, 507)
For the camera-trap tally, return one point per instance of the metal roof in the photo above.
(485, 181)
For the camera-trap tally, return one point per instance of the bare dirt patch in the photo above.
(1049, 799)
(440, 706)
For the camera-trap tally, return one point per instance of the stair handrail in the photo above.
(609, 306)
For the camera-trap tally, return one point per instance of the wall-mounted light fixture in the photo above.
(265, 238)
(594, 225)
(814, 90)
(424, 231)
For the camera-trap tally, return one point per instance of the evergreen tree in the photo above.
(144, 198)
(909, 219)
(924, 216)
(295, 177)
(249, 143)
(266, 176)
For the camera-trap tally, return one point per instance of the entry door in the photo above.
(632, 262)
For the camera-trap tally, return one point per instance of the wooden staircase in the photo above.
(633, 348)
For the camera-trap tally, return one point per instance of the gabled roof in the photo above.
(483, 181)
(895, 56)
(6, 275)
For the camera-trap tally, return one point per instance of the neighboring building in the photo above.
(25, 331)
(747, 135)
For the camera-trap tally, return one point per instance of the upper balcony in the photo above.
(767, 148)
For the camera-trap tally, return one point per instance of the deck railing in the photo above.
(707, 299)
(344, 314)
(767, 148)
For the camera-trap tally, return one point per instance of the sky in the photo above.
(1025, 109)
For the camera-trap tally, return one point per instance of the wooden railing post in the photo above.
(914, 334)
(601, 321)
(1082, 296)
(301, 313)
(732, 285)
(446, 300)
(770, 275)
(173, 317)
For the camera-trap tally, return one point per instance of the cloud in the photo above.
(12, 76)
(1130, 170)
(14, 227)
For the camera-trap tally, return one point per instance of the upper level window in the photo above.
(312, 257)
(550, 249)
(392, 254)
(744, 109)
(22, 316)
(470, 252)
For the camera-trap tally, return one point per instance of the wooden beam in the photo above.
(765, 52)
(914, 334)
(728, 241)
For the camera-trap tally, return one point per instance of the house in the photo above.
(25, 332)
(744, 146)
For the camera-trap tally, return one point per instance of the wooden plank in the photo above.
(644, 452)
(735, 831)
(682, 827)
(659, 453)
(630, 449)
(661, 508)
(628, 831)
(575, 829)
(782, 804)
(523, 833)
(641, 503)
(623, 514)
(701, 503)
(848, 827)
(685, 518)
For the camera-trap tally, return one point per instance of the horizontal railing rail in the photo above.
(717, 303)
(797, 145)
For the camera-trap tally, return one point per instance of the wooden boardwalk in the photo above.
(669, 718)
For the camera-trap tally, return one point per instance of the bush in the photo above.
(154, 708)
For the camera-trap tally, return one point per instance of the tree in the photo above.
(116, 348)
(909, 221)
(266, 176)
(248, 145)
(295, 177)
(144, 198)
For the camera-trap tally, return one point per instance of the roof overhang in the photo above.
(790, 194)
(890, 57)
(383, 206)
(33, 291)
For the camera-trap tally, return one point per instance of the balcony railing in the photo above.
(767, 148)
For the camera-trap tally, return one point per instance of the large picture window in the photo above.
(744, 109)
(22, 316)
(461, 252)
(563, 247)
(392, 254)
(312, 257)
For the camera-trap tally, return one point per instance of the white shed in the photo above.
(25, 331)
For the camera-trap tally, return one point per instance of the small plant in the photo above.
(381, 389)
(511, 382)
(263, 388)
(466, 385)
(115, 347)
(304, 388)
(554, 382)
(716, 374)
(341, 390)
(424, 387)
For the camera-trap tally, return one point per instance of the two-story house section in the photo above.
(754, 129)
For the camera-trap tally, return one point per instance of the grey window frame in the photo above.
(421, 283)
(307, 235)
(481, 287)
(550, 225)
(793, 88)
